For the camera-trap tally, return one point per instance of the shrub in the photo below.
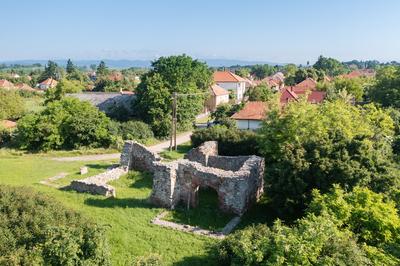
(231, 141)
(36, 230)
(313, 240)
(135, 130)
(11, 105)
(64, 124)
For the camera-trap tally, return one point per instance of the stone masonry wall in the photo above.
(237, 180)
(136, 156)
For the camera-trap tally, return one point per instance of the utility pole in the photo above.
(174, 121)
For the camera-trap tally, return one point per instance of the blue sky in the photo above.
(278, 31)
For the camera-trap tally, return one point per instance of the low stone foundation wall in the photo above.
(98, 184)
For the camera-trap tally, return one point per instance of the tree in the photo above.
(11, 105)
(51, 70)
(315, 146)
(63, 87)
(244, 72)
(179, 74)
(37, 230)
(330, 66)
(65, 124)
(102, 69)
(303, 73)
(386, 90)
(260, 93)
(367, 214)
(355, 87)
(70, 67)
(262, 71)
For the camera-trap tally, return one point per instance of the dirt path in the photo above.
(182, 138)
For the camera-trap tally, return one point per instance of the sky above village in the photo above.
(277, 31)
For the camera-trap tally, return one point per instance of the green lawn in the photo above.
(178, 154)
(206, 215)
(127, 216)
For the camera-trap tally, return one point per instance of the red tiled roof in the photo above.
(360, 73)
(23, 86)
(251, 111)
(49, 82)
(218, 90)
(292, 94)
(316, 97)
(226, 76)
(308, 84)
(7, 124)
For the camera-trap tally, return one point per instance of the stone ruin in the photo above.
(238, 180)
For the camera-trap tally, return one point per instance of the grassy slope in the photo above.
(128, 216)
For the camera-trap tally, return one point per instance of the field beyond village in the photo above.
(127, 217)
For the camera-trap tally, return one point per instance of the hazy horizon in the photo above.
(287, 31)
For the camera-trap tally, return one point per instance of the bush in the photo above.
(11, 105)
(231, 141)
(64, 124)
(135, 130)
(314, 240)
(36, 230)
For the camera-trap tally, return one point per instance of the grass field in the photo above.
(180, 152)
(127, 216)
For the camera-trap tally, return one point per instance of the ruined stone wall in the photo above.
(136, 156)
(238, 181)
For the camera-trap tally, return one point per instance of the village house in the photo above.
(294, 93)
(5, 84)
(360, 73)
(251, 116)
(47, 84)
(218, 95)
(275, 82)
(231, 82)
(24, 87)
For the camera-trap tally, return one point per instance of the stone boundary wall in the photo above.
(97, 184)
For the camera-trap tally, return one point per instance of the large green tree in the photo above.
(386, 90)
(65, 124)
(189, 78)
(330, 66)
(315, 146)
(51, 70)
(262, 71)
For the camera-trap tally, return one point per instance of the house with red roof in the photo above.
(307, 84)
(24, 87)
(294, 93)
(47, 84)
(251, 116)
(231, 82)
(5, 84)
(218, 95)
(359, 73)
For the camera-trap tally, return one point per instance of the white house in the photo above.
(47, 84)
(218, 95)
(231, 82)
(251, 116)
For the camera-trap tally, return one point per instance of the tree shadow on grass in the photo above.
(116, 202)
(98, 166)
(209, 259)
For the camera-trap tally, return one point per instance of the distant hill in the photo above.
(140, 63)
